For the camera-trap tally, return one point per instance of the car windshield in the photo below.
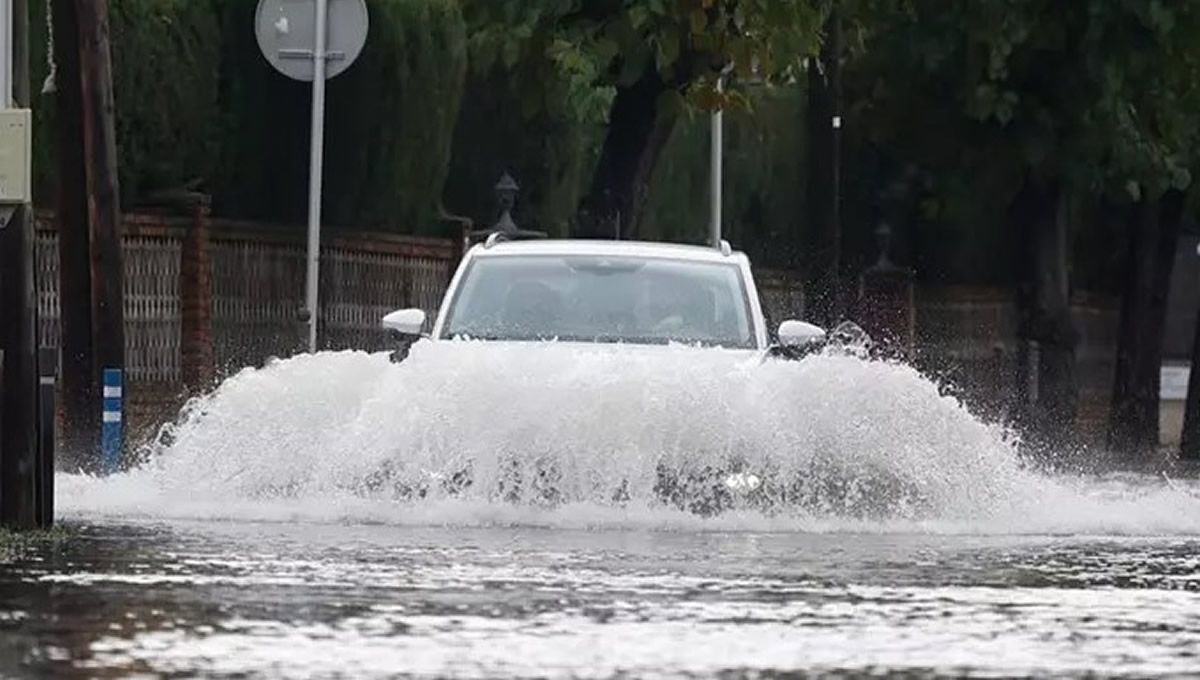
(588, 298)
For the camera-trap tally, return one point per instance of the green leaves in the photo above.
(1102, 94)
(685, 40)
(991, 103)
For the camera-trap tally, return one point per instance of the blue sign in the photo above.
(112, 433)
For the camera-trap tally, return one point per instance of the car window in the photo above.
(602, 299)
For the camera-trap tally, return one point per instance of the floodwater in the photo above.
(275, 531)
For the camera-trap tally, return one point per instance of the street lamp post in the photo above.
(716, 160)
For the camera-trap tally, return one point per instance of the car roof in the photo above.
(674, 251)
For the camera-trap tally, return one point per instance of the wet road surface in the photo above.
(198, 598)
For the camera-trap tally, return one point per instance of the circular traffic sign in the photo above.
(287, 35)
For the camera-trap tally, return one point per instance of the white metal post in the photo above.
(316, 163)
(717, 160)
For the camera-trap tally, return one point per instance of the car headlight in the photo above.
(742, 482)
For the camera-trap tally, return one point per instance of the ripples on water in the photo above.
(257, 539)
(321, 600)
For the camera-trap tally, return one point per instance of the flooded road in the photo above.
(308, 600)
(298, 523)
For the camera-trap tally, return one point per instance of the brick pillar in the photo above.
(886, 302)
(195, 300)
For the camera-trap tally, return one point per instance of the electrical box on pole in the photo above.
(16, 148)
(16, 130)
(312, 40)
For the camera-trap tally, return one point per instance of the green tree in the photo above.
(1045, 107)
(1156, 126)
(637, 64)
(764, 147)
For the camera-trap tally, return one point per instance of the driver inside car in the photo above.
(531, 307)
(681, 313)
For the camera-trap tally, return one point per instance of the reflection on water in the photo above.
(200, 598)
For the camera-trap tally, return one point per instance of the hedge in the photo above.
(552, 157)
(390, 122)
(196, 100)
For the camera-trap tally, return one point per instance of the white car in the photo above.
(627, 295)
(617, 292)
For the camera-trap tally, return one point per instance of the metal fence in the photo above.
(257, 290)
(257, 277)
(964, 335)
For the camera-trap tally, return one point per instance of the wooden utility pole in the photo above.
(104, 210)
(93, 335)
(18, 327)
(80, 401)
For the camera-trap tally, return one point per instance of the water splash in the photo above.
(582, 435)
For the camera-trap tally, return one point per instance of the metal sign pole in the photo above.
(328, 36)
(315, 169)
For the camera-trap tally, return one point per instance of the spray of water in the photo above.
(576, 435)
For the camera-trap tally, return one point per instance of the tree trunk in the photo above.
(1153, 235)
(1189, 444)
(1046, 329)
(638, 129)
(821, 235)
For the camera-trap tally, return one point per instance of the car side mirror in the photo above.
(800, 334)
(407, 323)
